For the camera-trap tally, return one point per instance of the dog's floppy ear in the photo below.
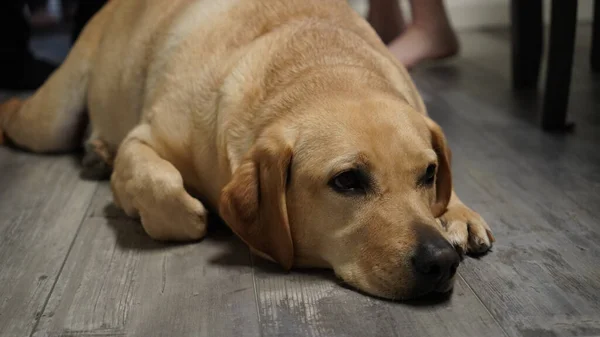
(253, 203)
(443, 183)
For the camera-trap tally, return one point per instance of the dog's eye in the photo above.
(348, 181)
(429, 177)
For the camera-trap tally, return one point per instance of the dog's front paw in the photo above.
(466, 230)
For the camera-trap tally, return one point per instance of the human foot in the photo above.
(418, 44)
(386, 18)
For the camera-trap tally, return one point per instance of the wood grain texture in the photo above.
(72, 265)
(313, 303)
(536, 191)
(544, 266)
(119, 282)
(42, 204)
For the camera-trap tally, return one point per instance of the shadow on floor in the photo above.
(131, 236)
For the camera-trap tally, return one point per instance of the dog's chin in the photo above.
(445, 287)
(391, 295)
(383, 289)
(442, 291)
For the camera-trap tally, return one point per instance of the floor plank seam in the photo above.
(256, 300)
(483, 305)
(460, 275)
(535, 190)
(389, 312)
(525, 163)
(64, 262)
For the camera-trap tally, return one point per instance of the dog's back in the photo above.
(195, 71)
(175, 56)
(147, 45)
(269, 110)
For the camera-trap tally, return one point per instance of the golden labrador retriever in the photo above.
(289, 117)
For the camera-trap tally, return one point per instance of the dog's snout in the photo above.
(436, 261)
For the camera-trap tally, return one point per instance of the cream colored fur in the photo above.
(254, 106)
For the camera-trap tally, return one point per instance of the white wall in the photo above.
(473, 14)
(468, 14)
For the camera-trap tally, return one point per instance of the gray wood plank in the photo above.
(537, 191)
(119, 282)
(543, 277)
(312, 303)
(42, 204)
(483, 70)
(490, 106)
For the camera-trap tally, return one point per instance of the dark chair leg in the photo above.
(595, 58)
(527, 42)
(560, 62)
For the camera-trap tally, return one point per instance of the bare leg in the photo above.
(386, 18)
(429, 36)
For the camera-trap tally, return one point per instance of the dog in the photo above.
(288, 117)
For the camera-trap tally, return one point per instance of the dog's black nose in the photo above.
(436, 260)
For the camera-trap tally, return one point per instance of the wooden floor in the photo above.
(73, 265)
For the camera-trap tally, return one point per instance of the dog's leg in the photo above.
(97, 160)
(150, 187)
(466, 229)
(52, 120)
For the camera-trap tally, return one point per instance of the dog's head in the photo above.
(354, 185)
